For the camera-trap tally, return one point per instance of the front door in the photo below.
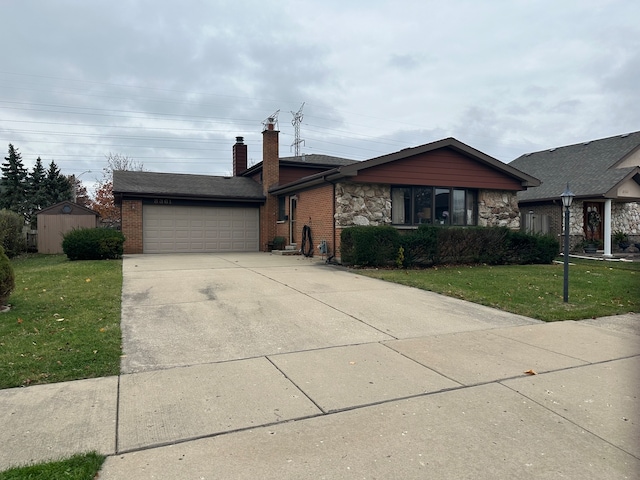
(293, 203)
(593, 220)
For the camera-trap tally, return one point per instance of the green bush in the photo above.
(93, 244)
(11, 237)
(432, 245)
(525, 249)
(369, 246)
(420, 247)
(7, 278)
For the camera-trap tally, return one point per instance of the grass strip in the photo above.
(596, 288)
(78, 467)
(64, 322)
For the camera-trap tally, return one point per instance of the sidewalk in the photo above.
(452, 401)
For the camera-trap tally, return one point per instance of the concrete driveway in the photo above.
(263, 366)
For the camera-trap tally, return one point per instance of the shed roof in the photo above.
(588, 167)
(75, 209)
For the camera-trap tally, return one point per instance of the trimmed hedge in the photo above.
(93, 244)
(429, 245)
(7, 278)
(11, 237)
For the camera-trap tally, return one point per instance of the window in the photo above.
(282, 215)
(433, 206)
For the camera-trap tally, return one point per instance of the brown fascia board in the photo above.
(353, 169)
(182, 196)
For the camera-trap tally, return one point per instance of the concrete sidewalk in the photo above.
(258, 366)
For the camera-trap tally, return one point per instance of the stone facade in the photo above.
(625, 217)
(498, 208)
(362, 204)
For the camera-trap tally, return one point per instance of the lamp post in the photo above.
(567, 198)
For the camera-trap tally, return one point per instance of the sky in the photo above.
(171, 84)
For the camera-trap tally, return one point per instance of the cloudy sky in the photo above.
(172, 83)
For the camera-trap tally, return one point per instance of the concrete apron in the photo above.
(320, 373)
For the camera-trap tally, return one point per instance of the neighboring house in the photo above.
(441, 183)
(603, 174)
(57, 220)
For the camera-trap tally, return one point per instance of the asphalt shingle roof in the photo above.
(186, 185)
(588, 167)
(316, 159)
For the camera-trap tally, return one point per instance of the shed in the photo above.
(55, 221)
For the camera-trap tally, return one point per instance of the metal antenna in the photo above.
(297, 120)
(271, 122)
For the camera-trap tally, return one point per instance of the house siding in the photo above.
(443, 168)
(132, 225)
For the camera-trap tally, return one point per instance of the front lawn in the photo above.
(596, 288)
(64, 322)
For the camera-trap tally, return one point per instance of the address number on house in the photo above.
(162, 201)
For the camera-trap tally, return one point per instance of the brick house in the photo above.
(603, 174)
(441, 183)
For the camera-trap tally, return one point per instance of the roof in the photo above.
(75, 209)
(305, 161)
(186, 186)
(588, 167)
(352, 169)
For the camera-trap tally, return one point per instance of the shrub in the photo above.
(369, 246)
(524, 248)
(420, 246)
(11, 236)
(93, 244)
(7, 278)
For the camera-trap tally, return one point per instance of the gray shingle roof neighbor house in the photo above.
(186, 186)
(593, 169)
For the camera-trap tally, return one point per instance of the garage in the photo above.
(212, 229)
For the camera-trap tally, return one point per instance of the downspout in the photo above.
(607, 228)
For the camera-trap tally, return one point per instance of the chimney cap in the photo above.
(240, 140)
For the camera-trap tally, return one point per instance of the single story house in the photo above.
(441, 183)
(603, 174)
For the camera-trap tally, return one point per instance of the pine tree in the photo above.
(58, 186)
(38, 197)
(14, 183)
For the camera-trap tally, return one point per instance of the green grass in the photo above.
(78, 467)
(64, 322)
(596, 288)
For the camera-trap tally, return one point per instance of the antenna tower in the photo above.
(297, 120)
(271, 122)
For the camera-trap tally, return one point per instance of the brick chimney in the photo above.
(270, 156)
(239, 157)
(270, 178)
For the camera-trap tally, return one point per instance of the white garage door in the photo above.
(180, 229)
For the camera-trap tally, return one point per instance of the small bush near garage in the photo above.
(369, 246)
(430, 245)
(11, 237)
(93, 244)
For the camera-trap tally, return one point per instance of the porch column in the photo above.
(607, 228)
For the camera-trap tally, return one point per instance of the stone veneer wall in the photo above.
(497, 208)
(362, 204)
(626, 218)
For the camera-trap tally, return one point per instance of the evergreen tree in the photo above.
(38, 198)
(58, 186)
(14, 183)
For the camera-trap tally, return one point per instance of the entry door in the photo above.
(293, 204)
(594, 210)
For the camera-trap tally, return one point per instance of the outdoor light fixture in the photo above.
(567, 198)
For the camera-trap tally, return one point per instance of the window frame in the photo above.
(439, 214)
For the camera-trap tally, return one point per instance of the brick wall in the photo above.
(315, 209)
(132, 225)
